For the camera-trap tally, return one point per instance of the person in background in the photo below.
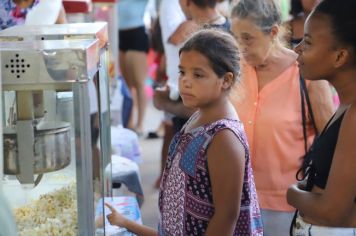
(13, 12)
(203, 192)
(174, 29)
(300, 10)
(200, 13)
(270, 107)
(223, 7)
(166, 125)
(325, 200)
(205, 13)
(134, 46)
(46, 12)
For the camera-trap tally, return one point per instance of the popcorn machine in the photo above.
(48, 164)
(100, 103)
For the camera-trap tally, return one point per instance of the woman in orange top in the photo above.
(269, 105)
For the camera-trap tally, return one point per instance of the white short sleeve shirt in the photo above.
(171, 17)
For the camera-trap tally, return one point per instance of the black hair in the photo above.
(296, 7)
(205, 3)
(343, 19)
(219, 47)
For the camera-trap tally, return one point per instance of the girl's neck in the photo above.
(345, 85)
(207, 16)
(222, 108)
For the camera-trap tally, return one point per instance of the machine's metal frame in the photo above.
(97, 30)
(61, 53)
(68, 32)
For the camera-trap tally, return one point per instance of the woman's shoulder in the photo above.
(289, 54)
(288, 59)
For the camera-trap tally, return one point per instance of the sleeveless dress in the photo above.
(186, 199)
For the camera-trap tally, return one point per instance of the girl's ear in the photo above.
(228, 80)
(341, 57)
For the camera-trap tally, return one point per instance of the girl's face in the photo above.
(199, 86)
(254, 44)
(317, 51)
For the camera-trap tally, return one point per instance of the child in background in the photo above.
(197, 170)
(300, 10)
(18, 12)
(13, 12)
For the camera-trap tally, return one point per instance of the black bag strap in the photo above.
(305, 99)
(304, 95)
(293, 223)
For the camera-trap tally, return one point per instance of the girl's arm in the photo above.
(321, 102)
(226, 164)
(335, 206)
(116, 218)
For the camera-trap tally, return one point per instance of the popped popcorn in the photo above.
(52, 214)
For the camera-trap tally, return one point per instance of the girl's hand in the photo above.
(115, 218)
(161, 97)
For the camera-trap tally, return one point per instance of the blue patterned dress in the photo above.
(11, 14)
(186, 199)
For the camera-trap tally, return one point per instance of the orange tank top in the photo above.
(273, 123)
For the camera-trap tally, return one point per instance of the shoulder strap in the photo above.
(305, 98)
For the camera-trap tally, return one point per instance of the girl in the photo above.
(207, 187)
(300, 9)
(326, 201)
(271, 108)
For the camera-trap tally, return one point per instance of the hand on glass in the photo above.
(115, 218)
